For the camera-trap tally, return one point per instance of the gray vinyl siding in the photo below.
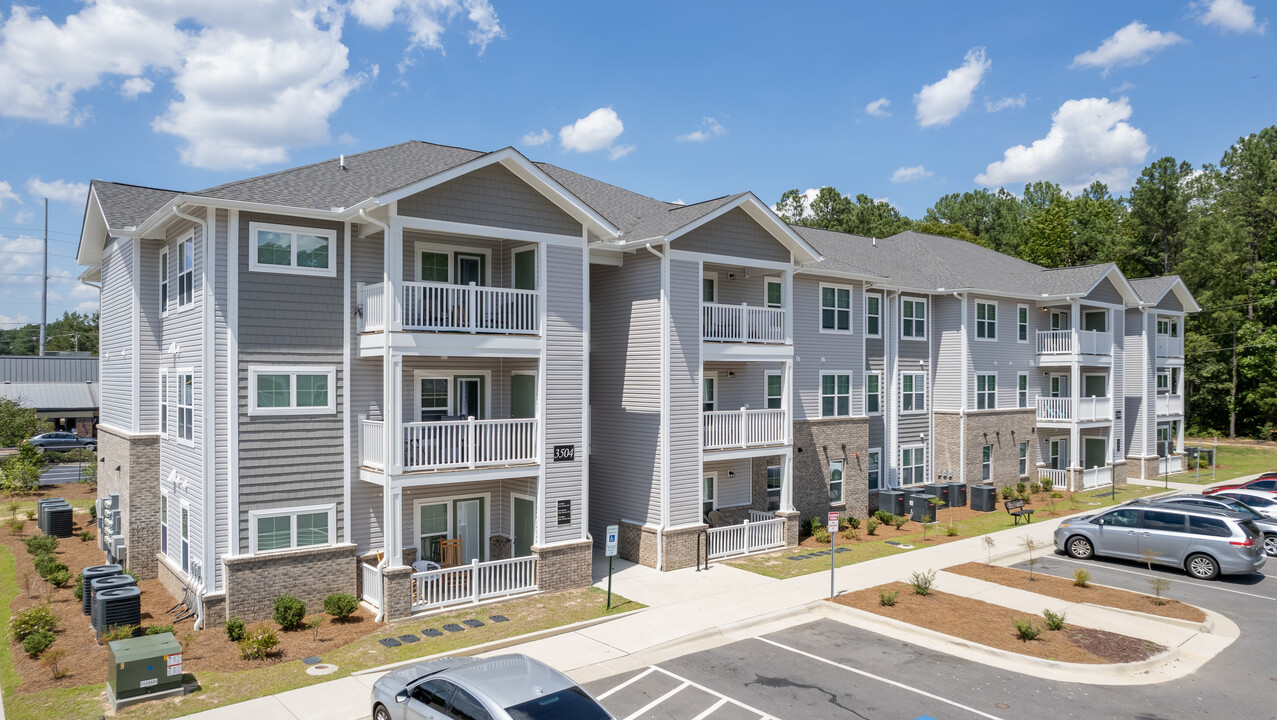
(498, 520)
(497, 372)
(948, 354)
(499, 264)
(1006, 356)
(625, 392)
(1170, 302)
(1105, 292)
(733, 490)
(747, 388)
(365, 516)
(817, 352)
(223, 394)
(150, 331)
(1137, 393)
(292, 460)
(735, 233)
(491, 196)
(565, 358)
(116, 334)
(684, 383)
(738, 290)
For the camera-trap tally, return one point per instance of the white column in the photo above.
(394, 272)
(787, 302)
(394, 530)
(787, 482)
(787, 398)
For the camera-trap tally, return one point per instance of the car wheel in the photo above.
(1202, 567)
(1270, 545)
(380, 712)
(1080, 548)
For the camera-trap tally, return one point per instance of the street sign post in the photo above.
(833, 533)
(610, 550)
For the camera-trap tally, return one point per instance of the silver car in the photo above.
(1204, 542)
(1261, 501)
(506, 687)
(1266, 524)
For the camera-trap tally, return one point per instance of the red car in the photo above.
(1267, 481)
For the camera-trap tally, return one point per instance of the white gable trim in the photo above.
(1181, 291)
(765, 217)
(94, 232)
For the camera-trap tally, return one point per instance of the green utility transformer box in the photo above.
(144, 667)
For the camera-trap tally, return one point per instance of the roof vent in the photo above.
(341, 161)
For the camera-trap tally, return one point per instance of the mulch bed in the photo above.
(70, 491)
(1064, 589)
(992, 625)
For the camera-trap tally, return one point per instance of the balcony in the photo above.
(1097, 477)
(441, 307)
(742, 429)
(1063, 344)
(1170, 404)
(742, 324)
(1169, 347)
(1061, 410)
(454, 444)
(1170, 465)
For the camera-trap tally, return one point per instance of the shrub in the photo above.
(887, 598)
(41, 544)
(853, 522)
(1056, 494)
(951, 531)
(922, 583)
(1020, 487)
(290, 612)
(79, 586)
(159, 629)
(59, 577)
(257, 643)
(814, 523)
(1053, 621)
(85, 535)
(50, 660)
(1082, 578)
(1046, 484)
(899, 521)
(235, 629)
(32, 620)
(883, 517)
(1026, 630)
(1007, 492)
(93, 512)
(1159, 586)
(48, 566)
(30, 514)
(37, 642)
(341, 605)
(119, 632)
(871, 526)
(1034, 488)
(821, 535)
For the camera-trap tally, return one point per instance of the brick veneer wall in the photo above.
(791, 527)
(637, 543)
(396, 592)
(138, 484)
(680, 547)
(171, 578)
(252, 582)
(816, 442)
(1006, 430)
(1146, 468)
(564, 566)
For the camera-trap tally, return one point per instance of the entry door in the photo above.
(470, 397)
(1059, 321)
(1060, 386)
(469, 515)
(469, 269)
(1059, 454)
(525, 270)
(523, 396)
(1094, 452)
(524, 526)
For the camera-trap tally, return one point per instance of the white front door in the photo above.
(470, 529)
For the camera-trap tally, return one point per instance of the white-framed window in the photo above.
(913, 464)
(164, 523)
(163, 282)
(835, 481)
(873, 393)
(774, 294)
(873, 464)
(292, 390)
(709, 287)
(163, 402)
(873, 314)
(835, 395)
(186, 271)
(986, 321)
(986, 391)
(986, 463)
(709, 496)
(291, 528)
(186, 405)
(1163, 382)
(1022, 323)
(434, 397)
(775, 390)
(913, 392)
(294, 250)
(773, 487)
(1024, 458)
(709, 393)
(433, 523)
(1163, 327)
(1022, 390)
(835, 308)
(913, 318)
(186, 538)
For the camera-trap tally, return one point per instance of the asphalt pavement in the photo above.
(60, 473)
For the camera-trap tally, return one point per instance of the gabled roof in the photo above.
(1152, 289)
(127, 206)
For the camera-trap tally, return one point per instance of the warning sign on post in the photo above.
(833, 523)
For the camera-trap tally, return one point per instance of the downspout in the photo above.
(386, 505)
(962, 409)
(665, 407)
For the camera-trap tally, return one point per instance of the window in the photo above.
(186, 406)
(291, 528)
(465, 706)
(913, 392)
(708, 502)
(873, 393)
(434, 267)
(835, 481)
(1024, 458)
(913, 465)
(164, 523)
(302, 390)
(986, 321)
(1022, 323)
(773, 487)
(873, 315)
(186, 272)
(709, 288)
(432, 527)
(164, 282)
(1022, 390)
(164, 402)
(1163, 520)
(835, 395)
(1208, 526)
(775, 294)
(1163, 382)
(986, 391)
(1095, 386)
(835, 308)
(913, 319)
(186, 539)
(434, 399)
(296, 250)
(874, 466)
(986, 463)
(775, 391)
(709, 391)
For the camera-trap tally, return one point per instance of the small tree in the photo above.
(50, 659)
(1147, 556)
(1029, 543)
(1159, 585)
(17, 423)
(937, 503)
(314, 625)
(21, 472)
(926, 523)
(989, 542)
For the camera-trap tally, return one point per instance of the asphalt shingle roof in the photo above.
(1152, 289)
(129, 205)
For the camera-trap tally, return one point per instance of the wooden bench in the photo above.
(1016, 509)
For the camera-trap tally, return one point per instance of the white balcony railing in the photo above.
(746, 538)
(1096, 477)
(741, 323)
(1057, 477)
(1170, 404)
(473, 583)
(1070, 342)
(454, 444)
(1168, 346)
(370, 584)
(372, 444)
(1170, 465)
(743, 428)
(442, 307)
(1056, 409)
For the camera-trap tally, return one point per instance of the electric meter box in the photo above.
(142, 666)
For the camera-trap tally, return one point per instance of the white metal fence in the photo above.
(1170, 404)
(1067, 342)
(469, 308)
(372, 444)
(1170, 465)
(741, 323)
(473, 583)
(469, 443)
(742, 428)
(1096, 477)
(1088, 408)
(1057, 477)
(746, 538)
(372, 308)
(370, 584)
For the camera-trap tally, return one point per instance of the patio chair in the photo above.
(450, 552)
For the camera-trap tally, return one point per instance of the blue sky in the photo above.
(678, 100)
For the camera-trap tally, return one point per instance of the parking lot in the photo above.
(828, 669)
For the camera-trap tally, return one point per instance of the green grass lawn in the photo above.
(1231, 461)
(775, 565)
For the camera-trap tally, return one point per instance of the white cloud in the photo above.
(19, 319)
(596, 131)
(23, 217)
(59, 190)
(1090, 139)
(427, 20)
(947, 98)
(878, 108)
(708, 129)
(1132, 45)
(19, 255)
(1126, 85)
(1232, 15)
(909, 174)
(87, 307)
(7, 194)
(1005, 103)
(135, 86)
(536, 138)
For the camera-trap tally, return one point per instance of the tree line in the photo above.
(72, 331)
(1215, 226)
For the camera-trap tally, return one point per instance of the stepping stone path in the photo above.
(499, 618)
(431, 632)
(409, 638)
(389, 642)
(474, 623)
(312, 660)
(453, 627)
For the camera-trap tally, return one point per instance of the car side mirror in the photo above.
(401, 696)
(1099, 521)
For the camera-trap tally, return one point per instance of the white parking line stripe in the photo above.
(715, 693)
(657, 701)
(888, 681)
(634, 679)
(1178, 580)
(710, 710)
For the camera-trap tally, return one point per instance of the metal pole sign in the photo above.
(610, 550)
(833, 533)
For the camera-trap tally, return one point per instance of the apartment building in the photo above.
(430, 375)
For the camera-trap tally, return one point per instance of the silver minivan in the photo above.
(1204, 542)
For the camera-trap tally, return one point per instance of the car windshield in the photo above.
(567, 703)
(1241, 507)
(1254, 500)
(1250, 528)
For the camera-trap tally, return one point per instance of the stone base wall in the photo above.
(792, 520)
(137, 482)
(565, 566)
(816, 443)
(637, 543)
(215, 611)
(1119, 472)
(500, 547)
(253, 582)
(1143, 468)
(1003, 429)
(680, 547)
(396, 592)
